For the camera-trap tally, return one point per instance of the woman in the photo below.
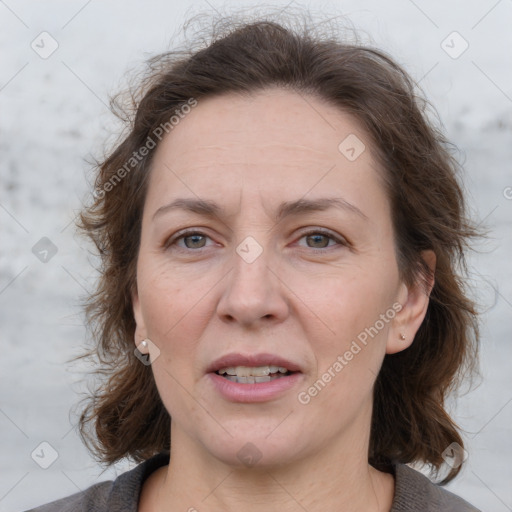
(279, 305)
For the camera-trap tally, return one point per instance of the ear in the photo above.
(414, 300)
(140, 327)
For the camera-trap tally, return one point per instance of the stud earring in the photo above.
(402, 337)
(144, 343)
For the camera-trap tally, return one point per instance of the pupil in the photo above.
(317, 237)
(194, 237)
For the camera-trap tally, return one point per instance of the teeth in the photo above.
(251, 380)
(267, 378)
(247, 371)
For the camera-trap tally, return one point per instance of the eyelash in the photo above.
(185, 234)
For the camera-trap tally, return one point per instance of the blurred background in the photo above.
(60, 61)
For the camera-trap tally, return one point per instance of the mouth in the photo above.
(253, 378)
(253, 375)
(253, 365)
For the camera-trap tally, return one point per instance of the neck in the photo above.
(334, 478)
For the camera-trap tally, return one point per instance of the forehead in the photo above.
(270, 141)
(274, 118)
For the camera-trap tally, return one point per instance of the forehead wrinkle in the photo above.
(274, 144)
(235, 148)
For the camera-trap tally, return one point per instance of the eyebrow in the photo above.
(210, 208)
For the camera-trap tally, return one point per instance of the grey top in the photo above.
(414, 492)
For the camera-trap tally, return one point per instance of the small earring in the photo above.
(402, 337)
(144, 343)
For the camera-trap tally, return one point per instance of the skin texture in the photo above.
(305, 298)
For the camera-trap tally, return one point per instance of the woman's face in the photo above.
(317, 287)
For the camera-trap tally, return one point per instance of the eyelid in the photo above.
(341, 240)
(328, 233)
(184, 233)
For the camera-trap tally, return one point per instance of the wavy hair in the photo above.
(124, 415)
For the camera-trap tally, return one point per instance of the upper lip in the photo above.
(232, 360)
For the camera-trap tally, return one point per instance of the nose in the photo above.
(254, 292)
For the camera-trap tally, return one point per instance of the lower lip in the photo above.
(260, 392)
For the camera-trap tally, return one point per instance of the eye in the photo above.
(191, 239)
(318, 237)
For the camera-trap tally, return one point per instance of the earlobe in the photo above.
(414, 300)
(140, 329)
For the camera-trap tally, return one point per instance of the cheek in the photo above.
(174, 314)
(356, 312)
(351, 301)
(165, 300)
(171, 313)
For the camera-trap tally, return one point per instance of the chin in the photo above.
(254, 450)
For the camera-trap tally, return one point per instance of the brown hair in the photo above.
(410, 423)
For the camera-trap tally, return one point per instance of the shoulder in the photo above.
(120, 495)
(92, 499)
(414, 491)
